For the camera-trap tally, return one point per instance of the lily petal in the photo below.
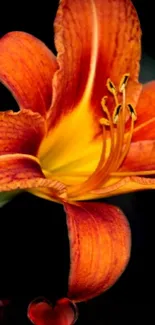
(19, 171)
(145, 124)
(141, 155)
(26, 69)
(21, 132)
(120, 185)
(107, 45)
(100, 248)
(95, 40)
(43, 313)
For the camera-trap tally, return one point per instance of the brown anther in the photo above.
(132, 112)
(116, 113)
(111, 87)
(123, 82)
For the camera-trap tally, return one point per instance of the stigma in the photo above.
(120, 139)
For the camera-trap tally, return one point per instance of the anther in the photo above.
(104, 121)
(103, 103)
(123, 82)
(116, 113)
(111, 87)
(132, 112)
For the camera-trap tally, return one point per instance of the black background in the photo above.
(35, 251)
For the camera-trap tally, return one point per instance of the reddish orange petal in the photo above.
(100, 247)
(21, 132)
(95, 39)
(145, 124)
(42, 313)
(26, 68)
(141, 155)
(19, 171)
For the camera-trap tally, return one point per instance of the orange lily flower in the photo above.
(85, 130)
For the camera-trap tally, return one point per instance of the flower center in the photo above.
(120, 141)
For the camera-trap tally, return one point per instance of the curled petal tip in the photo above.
(27, 67)
(41, 312)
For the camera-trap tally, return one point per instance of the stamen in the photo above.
(121, 124)
(127, 146)
(120, 135)
(109, 121)
(118, 149)
(102, 158)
